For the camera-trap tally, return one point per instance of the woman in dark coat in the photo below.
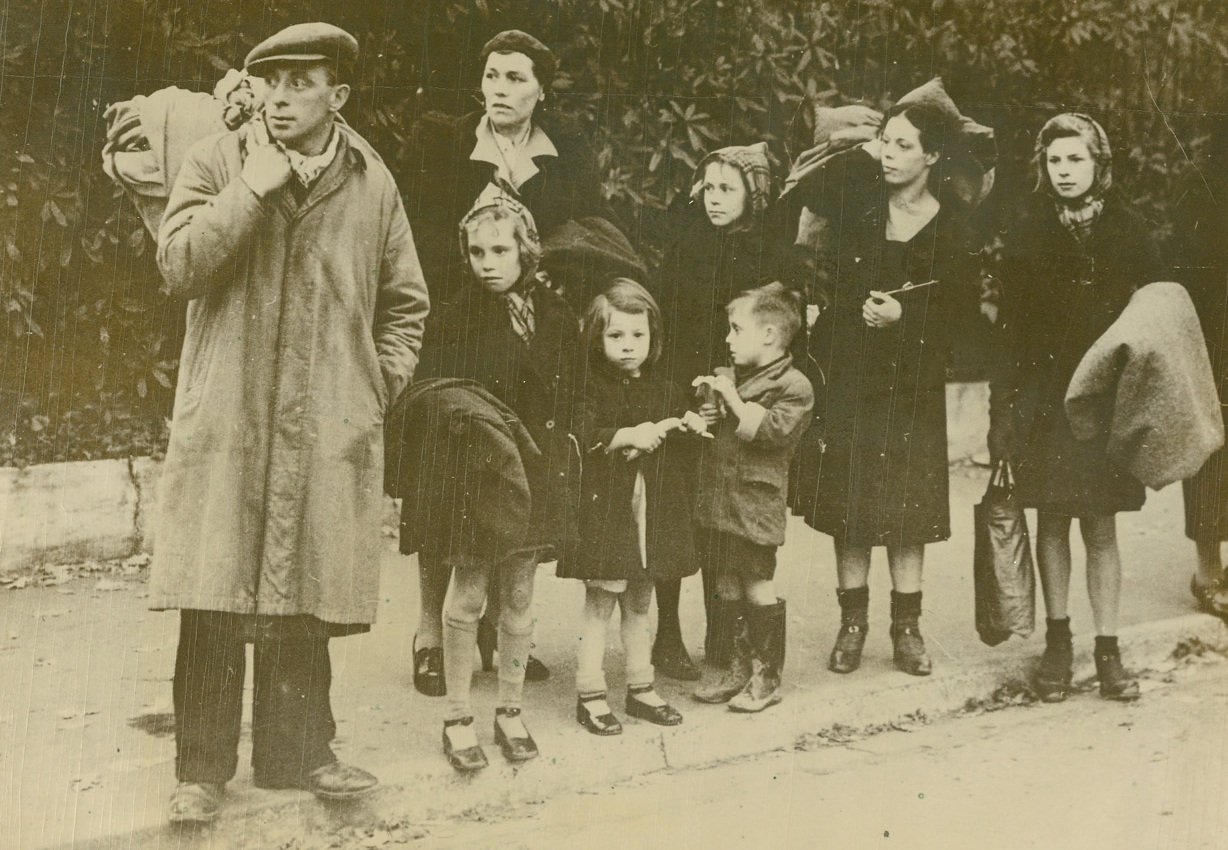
(1200, 261)
(1070, 265)
(875, 472)
(542, 160)
(715, 249)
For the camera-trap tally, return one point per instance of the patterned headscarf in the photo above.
(519, 299)
(752, 162)
(498, 196)
(1076, 214)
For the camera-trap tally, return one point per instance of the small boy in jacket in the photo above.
(757, 412)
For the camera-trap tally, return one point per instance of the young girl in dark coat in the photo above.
(1070, 266)
(636, 502)
(521, 343)
(726, 237)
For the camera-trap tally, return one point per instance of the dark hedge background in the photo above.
(89, 341)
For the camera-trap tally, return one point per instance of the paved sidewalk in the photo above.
(87, 758)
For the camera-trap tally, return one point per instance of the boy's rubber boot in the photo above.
(730, 637)
(1056, 667)
(767, 625)
(854, 626)
(910, 655)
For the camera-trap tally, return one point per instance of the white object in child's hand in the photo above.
(721, 384)
(695, 424)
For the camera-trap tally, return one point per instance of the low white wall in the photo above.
(62, 513)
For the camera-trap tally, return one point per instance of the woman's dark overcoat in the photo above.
(472, 338)
(609, 536)
(1060, 295)
(440, 183)
(874, 469)
(703, 267)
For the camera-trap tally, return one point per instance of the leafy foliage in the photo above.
(90, 340)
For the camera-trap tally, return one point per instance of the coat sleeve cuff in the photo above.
(748, 425)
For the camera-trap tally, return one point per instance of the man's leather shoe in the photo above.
(195, 802)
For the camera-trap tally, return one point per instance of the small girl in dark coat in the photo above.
(637, 496)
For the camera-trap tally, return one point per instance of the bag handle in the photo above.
(1003, 477)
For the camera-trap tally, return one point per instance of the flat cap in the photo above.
(314, 42)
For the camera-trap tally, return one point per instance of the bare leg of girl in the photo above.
(1053, 561)
(1103, 570)
(1104, 589)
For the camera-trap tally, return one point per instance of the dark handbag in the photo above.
(1003, 579)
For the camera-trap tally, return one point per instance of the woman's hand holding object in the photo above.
(881, 310)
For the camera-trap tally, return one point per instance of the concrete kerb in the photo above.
(855, 705)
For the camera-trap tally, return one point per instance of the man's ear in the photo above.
(771, 334)
(341, 94)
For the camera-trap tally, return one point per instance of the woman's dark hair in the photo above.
(626, 296)
(932, 123)
(545, 64)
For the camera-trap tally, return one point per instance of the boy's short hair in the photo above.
(626, 296)
(773, 304)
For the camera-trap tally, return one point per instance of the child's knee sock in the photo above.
(590, 650)
(459, 639)
(514, 649)
(637, 644)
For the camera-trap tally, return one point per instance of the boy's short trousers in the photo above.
(720, 552)
(615, 585)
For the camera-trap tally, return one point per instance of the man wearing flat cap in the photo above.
(306, 307)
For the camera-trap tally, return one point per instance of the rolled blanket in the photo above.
(1147, 383)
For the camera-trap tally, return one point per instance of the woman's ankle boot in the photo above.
(1115, 682)
(1057, 663)
(910, 655)
(854, 625)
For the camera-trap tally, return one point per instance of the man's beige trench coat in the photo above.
(303, 321)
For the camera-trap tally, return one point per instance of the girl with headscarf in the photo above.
(725, 237)
(519, 341)
(1070, 265)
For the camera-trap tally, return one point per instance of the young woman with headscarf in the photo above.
(1070, 264)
